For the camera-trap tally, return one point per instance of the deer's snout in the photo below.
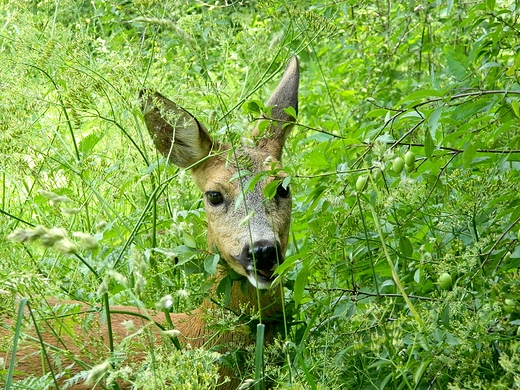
(260, 260)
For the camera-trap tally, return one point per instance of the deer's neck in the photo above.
(241, 307)
(239, 297)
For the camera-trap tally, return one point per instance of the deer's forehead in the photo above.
(223, 171)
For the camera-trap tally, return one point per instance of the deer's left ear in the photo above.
(285, 95)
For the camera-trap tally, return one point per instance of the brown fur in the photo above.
(251, 237)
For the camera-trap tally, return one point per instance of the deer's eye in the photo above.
(214, 198)
(283, 192)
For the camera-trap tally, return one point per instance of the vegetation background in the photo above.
(400, 274)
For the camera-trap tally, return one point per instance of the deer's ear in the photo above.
(177, 134)
(284, 96)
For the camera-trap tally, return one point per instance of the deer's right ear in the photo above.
(176, 133)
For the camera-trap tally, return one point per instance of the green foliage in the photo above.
(367, 262)
(191, 369)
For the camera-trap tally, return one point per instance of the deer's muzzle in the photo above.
(260, 260)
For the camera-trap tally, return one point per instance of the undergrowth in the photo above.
(102, 216)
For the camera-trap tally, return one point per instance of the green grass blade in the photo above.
(259, 357)
(17, 332)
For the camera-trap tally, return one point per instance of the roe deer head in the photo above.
(249, 230)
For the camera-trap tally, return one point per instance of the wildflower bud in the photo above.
(97, 372)
(103, 288)
(66, 246)
(165, 303)
(183, 294)
(52, 236)
(27, 235)
(171, 333)
(55, 198)
(129, 325)
(88, 241)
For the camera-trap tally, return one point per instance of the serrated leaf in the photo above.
(89, 142)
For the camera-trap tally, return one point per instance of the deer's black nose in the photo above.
(264, 257)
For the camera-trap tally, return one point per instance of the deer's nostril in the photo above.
(265, 257)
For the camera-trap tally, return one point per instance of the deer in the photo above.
(249, 230)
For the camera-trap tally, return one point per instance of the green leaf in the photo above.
(89, 142)
(428, 144)
(290, 111)
(254, 107)
(419, 373)
(515, 107)
(211, 262)
(286, 181)
(224, 289)
(184, 254)
(421, 95)
(433, 121)
(455, 66)
(300, 284)
(377, 112)
(259, 354)
(270, 189)
(405, 246)
(470, 151)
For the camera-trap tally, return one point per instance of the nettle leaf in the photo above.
(89, 142)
